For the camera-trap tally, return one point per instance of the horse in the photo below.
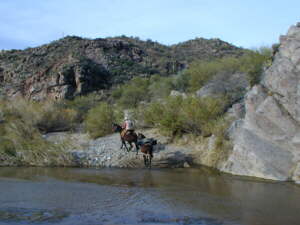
(146, 148)
(130, 137)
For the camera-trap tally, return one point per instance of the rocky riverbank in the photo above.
(106, 152)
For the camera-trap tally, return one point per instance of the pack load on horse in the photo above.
(146, 148)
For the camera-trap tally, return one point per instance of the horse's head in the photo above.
(116, 127)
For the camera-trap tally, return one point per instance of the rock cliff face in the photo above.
(267, 141)
(76, 66)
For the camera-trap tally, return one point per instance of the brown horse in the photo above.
(130, 137)
(146, 148)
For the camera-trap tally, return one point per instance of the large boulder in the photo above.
(266, 143)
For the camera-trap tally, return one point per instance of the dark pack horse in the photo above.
(130, 137)
(146, 145)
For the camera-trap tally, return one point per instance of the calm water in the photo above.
(120, 196)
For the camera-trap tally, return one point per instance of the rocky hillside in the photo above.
(74, 66)
(267, 141)
(201, 48)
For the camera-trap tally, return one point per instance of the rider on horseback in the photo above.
(128, 126)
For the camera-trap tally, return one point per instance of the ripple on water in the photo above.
(23, 215)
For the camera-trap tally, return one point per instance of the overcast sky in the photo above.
(246, 23)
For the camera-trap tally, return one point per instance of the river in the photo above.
(199, 196)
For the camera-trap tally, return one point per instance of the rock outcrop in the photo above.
(266, 143)
(77, 66)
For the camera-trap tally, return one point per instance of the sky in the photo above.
(244, 23)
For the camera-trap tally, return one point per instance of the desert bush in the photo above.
(99, 120)
(45, 116)
(222, 145)
(150, 113)
(54, 119)
(147, 89)
(81, 105)
(160, 87)
(118, 113)
(200, 72)
(168, 115)
(197, 112)
(218, 127)
(175, 115)
(254, 63)
(21, 142)
(7, 147)
(181, 82)
(129, 95)
(275, 48)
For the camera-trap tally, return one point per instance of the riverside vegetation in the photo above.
(23, 122)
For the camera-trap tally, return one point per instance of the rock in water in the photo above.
(267, 142)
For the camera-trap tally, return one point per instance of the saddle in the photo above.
(126, 132)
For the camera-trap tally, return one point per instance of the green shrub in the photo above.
(160, 87)
(150, 114)
(176, 115)
(275, 48)
(81, 104)
(253, 64)
(117, 93)
(54, 120)
(146, 89)
(200, 72)
(181, 82)
(129, 95)
(7, 147)
(99, 120)
(169, 115)
(197, 112)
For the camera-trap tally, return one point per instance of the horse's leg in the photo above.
(145, 160)
(126, 146)
(150, 159)
(130, 143)
(136, 148)
(122, 142)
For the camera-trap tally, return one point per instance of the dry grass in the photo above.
(221, 146)
(21, 141)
